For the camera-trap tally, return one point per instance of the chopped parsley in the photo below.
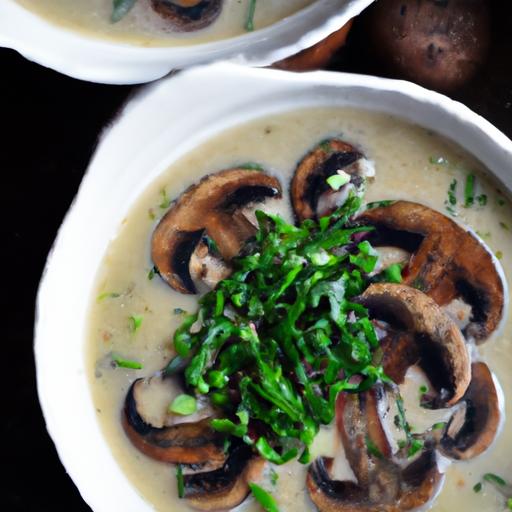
(180, 481)
(151, 274)
(451, 201)
(477, 487)
(107, 295)
(274, 477)
(336, 181)
(439, 426)
(125, 363)
(499, 255)
(166, 201)
(504, 226)
(183, 405)
(251, 166)
(469, 191)
(264, 498)
(135, 321)
(120, 8)
(495, 479)
(249, 24)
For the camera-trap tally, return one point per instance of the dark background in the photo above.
(50, 128)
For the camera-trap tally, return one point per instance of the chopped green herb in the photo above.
(126, 363)
(415, 446)
(501, 201)
(487, 234)
(393, 274)
(152, 273)
(212, 246)
(166, 201)
(151, 214)
(469, 191)
(423, 389)
(504, 226)
(499, 255)
(227, 445)
(379, 204)
(325, 145)
(452, 189)
(495, 479)
(183, 405)
(373, 449)
(179, 311)
(482, 199)
(120, 9)
(274, 477)
(264, 498)
(135, 321)
(336, 181)
(180, 481)
(249, 24)
(477, 487)
(509, 503)
(438, 426)
(251, 166)
(107, 295)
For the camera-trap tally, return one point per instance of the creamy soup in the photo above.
(133, 312)
(144, 27)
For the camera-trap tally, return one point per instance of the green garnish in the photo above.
(373, 449)
(423, 389)
(166, 201)
(152, 273)
(135, 321)
(249, 24)
(469, 191)
(184, 405)
(501, 202)
(336, 181)
(412, 444)
(477, 487)
(494, 479)
(180, 481)
(325, 145)
(178, 311)
(482, 199)
(251, 166)
(107, 295)
(509, 503)
(284, 331)
(504, 226)
(120, 9)
(438, 426)
(379, 204)
(415, 446)
(274, 477)
(393, 274)
(264, 498)
(499, 255)
(126, 363)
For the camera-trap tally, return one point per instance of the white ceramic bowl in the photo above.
(127, 159)
(103, 61)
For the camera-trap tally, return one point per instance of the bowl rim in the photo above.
(100, 60)
(248, 89)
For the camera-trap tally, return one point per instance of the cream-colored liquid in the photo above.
(402, 154)
(144, 27)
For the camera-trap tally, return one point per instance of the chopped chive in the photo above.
(452, 199)
(249, 24)
(120, 9)
(393, 274)
(251, 166)
(166, 201)
(264, 498)
(373, 449)
(379, 204)
(499, 255)
(439, 425)
(492, 478)
(504, 226)
(415, 447)
(509, 503)
(274, 477)
(135, 321)
(482, 199)
(107, 295)
(423, 389)
(184, 405)
(180, 481)
(151, 214)
(477, 487)
(336, 181)
(325, 145)
(126, 363)
(152, 273)
(469, 191)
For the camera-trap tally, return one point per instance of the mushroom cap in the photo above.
(226, 487)
(473, 428)
(209, 207)
(447, 262)
(309, 181)
(442, 347)
(183, 18)
(184, 443)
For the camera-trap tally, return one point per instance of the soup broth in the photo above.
(134, 313)
(144, 27)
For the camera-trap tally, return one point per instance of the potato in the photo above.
(437, 43)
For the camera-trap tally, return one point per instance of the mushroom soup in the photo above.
(412, 417)
(166, 22)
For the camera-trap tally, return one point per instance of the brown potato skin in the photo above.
(437, 44)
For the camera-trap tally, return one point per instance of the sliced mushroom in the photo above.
(211, 208)
(227, 487)
(184, 443)
(447, 261)
(473, 427)
(382, 485)
(442, 350)
(188, 15)
(311, 195)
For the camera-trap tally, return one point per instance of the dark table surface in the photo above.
(50, 128)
